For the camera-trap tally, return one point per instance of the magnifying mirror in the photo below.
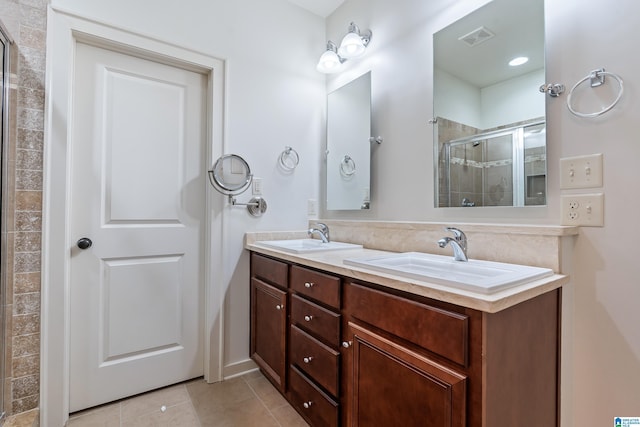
(231, 175)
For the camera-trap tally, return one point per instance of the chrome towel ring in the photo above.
(347, 166)
(289, 159)
(596, 78)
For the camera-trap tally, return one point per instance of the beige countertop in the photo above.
(332, 262)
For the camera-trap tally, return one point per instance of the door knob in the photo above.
(84, 243)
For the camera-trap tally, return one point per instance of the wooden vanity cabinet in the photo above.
(413, 361)
(314, 356)
(269, 303)
(350, 353)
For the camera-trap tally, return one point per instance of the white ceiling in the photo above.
(322, 8)
(519, 31)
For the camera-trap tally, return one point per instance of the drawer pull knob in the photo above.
(308, 318)
(346, 344)
(308, 284)
(307, 405)
(279, 307)
(307, 359)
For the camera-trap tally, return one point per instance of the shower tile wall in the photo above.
(466, 176)
(498, 184)
(26, 21)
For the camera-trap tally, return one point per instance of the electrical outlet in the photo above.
(581, 172)
(583, 209)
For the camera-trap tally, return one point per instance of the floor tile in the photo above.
(267, 393)
(181, 415)
(288, 417)
(217, 396)
(246, 401)
(103, 416)
(153, 401)
(240, 414)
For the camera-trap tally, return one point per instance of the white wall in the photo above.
(511, 101)
(605, 339)
(274, 98)
(514, 100)
(456, 100)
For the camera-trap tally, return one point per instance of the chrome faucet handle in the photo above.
(322, 230)
(325, 229)
(458, 243)
(459, 235)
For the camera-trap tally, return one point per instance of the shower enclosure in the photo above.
(5, 42)
(505, 167)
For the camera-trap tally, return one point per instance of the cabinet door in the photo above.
(390, 385)
(268, 330)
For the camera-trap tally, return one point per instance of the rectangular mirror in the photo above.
(348, 147)
(489, 127)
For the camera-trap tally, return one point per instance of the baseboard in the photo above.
(239, 368)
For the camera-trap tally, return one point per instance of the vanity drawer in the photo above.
(316, 359)
(411, 320)
(319, 321)
(318, 286)
(269, 270)
(315, 405)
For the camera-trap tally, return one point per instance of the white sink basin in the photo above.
(300, 246)
(484, 277)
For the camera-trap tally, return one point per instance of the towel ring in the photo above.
(596, 77)
(347, 166)
(289, 159)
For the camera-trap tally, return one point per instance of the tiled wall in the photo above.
(448, 130)
(26, 21)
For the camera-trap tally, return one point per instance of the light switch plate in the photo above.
(312, 207)
(581, 172)
(583, 209)
(256, 187)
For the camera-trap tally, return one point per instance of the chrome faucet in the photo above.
(458, 243)
(322, 229)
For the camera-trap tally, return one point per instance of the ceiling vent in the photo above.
(477, 36)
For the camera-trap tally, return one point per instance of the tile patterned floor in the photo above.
(246, 401)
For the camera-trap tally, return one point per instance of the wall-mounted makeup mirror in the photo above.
(348, 147)
(231, 175)
(489, 127)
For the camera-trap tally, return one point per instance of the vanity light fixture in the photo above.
(330, 62)
(518, 61)
(353, 45)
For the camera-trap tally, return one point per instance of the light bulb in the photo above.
(329, 62)
(351, 46)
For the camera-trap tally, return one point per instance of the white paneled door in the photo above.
(137, 225)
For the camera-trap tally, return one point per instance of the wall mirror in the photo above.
(489, 116)
(348, 148)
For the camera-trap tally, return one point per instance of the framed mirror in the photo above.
(348, 147)
(489, 115)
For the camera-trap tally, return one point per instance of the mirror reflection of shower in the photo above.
(505, 167)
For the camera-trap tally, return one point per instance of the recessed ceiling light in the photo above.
(518, 61)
